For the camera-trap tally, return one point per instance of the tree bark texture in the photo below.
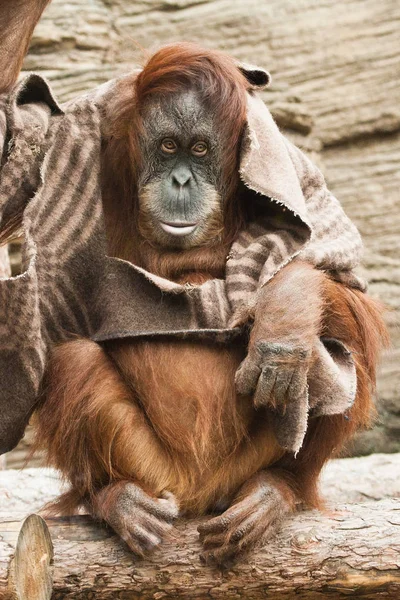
(348, 550)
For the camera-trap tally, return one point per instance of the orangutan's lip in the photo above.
(178, 228)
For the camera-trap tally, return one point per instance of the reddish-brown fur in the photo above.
(355, 319)
(165, 414)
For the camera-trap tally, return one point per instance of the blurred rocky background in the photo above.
(335, 91)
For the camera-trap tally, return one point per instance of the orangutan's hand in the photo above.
(274, 373)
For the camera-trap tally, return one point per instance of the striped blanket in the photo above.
(69, 286)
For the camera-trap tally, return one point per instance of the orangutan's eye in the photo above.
(199, 149)
(168, 146)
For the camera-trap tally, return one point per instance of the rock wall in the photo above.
(336, 92)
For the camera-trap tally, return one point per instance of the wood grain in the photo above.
(29, 572)
(351, 549)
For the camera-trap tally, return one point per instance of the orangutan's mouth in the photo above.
(178, 228)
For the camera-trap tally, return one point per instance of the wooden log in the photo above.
(349, 550)
(29, 574)
(352, 551)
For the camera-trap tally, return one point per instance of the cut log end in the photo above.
(30, 576)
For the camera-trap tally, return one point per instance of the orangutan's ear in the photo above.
(258, 77)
